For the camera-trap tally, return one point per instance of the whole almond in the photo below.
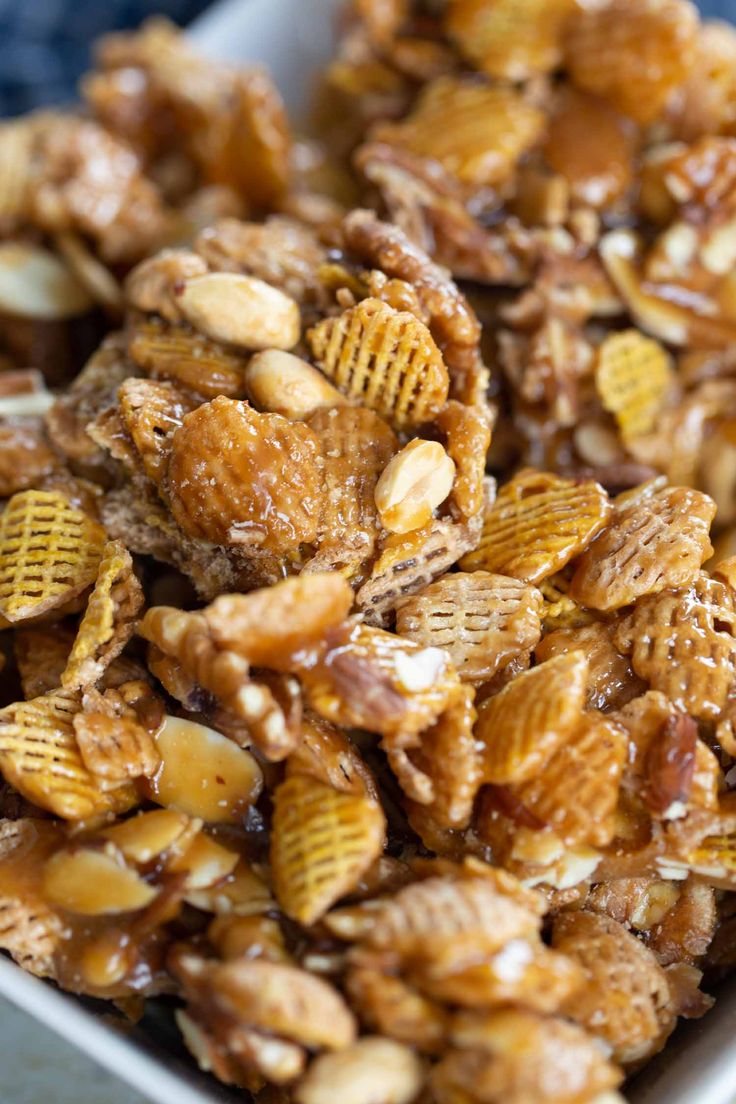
(240, 310)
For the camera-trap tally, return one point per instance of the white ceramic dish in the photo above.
(294, 37)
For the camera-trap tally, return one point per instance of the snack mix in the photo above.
(368, 549)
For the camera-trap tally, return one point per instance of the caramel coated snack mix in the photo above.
(368, 549)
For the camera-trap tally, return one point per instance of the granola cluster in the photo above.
(367, 519)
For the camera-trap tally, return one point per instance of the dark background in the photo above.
(44, 44)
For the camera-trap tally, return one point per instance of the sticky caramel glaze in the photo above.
(107, 957)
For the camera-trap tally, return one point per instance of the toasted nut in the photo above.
(203, 773)
(36, 284)
(93, 883)
(372, 1070)
(240, 310)
(282, 383)
(147, 835)
(205, 862)
(413, 484)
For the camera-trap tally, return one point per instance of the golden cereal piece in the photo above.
(560, 611)
(611, 681)
(531, 718)
(540, 981)
(633, 52)
(115, 748)
(514, 1056)
(477, 132)
(384, 358)
(413, 485)
(39, 755)
(109, 619)
(442, 923)
(41, 655)
(241, 478)
(626, 996)
(356, 446)
(94, 883)
(179, 354)
(49, 553)
(509, 39)
(284, 1001)
(537, 524)
(371, 1069)
(326, 753)
(633, 376)
(371, 679)
(683, 642)
(446, 772)
(576, 791)
(322, 841)
(655, 543)
(713, 860)
(152, 411)
(388, 1005)
(30, 931)
(408, 562)
(481, 620)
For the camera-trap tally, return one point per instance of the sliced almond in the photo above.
(143, 837)
(204, 774)
(34, 283)
(93, 883)
(206, 863)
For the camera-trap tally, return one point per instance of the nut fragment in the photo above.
(282, 383)
(240, 310)
(413, 484)
(373, 1069)
(93, 883)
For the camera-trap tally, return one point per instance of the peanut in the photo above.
(413, 484)
(37, 284)
(282, 383)
(372, 1070)
(240, 310)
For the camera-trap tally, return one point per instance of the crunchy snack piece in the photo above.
(655, 543)
(446, 771)
(633, 52)
(30, 930)
(228, 480)
(441, 923)
(49, 553)
(576, 792)
(626, 999)
(683, 642)
(477, 132)
(39, 755)
(468, 434)
(114, 732)
(511, 1056)
(326, 753)
(387, 1004)
(371, 679)
(109, 619)
(152, 411)
(481, 620)
(25, 455)
(371, 1069)
(508, 39)
(178, 354)
(532, 718)
(322, 842)
(356, 446)
(409, 562)
(633, 376)
(16, 146)
(386, 359)
(537, 524)
(611, 681)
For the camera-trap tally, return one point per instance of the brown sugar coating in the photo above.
(367, 545)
